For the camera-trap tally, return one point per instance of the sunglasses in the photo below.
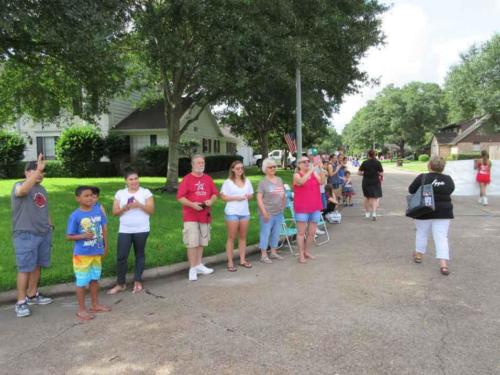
(271, 167)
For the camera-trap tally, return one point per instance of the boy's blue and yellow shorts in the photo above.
(87, 268)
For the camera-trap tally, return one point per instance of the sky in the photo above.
(424, 38)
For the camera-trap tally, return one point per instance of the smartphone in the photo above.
(130, 200)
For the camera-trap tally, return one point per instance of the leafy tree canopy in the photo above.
(473, 86)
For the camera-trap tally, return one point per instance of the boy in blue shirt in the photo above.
(87, 227)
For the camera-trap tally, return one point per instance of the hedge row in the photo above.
(465, 156)
(152, 161)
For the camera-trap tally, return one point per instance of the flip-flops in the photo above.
(116, 289)
(84, 316)
(232, 269)
(444, 271)
(100, 309)
(246, 265)
(417, 257)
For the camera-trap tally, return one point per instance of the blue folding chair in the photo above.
(288, 233)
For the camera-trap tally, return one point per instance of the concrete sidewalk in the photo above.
(362, 307)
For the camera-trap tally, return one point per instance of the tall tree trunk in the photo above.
(402, 148)
(173, 119)
(264, 144)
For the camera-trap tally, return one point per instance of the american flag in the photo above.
(290, 141)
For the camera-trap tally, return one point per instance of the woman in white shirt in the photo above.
(236, 191)
(133, 205)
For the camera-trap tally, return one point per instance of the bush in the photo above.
(55, 168)
(12, 148)
(466, 156)
(79, 149)
(423, 158)
(152, 161)
(117, 149)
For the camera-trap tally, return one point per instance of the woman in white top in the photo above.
(133, 205)
(236, 191)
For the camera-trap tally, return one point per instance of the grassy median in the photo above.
(165, 241)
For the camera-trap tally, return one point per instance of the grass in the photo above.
(164, 243)
(408, 165)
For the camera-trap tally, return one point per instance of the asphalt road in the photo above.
(362, 307)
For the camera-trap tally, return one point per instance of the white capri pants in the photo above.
(439, 229)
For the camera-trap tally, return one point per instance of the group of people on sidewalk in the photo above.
(318, 186)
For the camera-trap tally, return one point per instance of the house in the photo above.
(471, 136)
(144, 127)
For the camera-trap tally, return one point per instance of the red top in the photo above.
(307, 197)
(483, 168)
(196, 189)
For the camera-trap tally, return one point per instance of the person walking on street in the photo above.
(483, 177)
(437, 221)
(236, 191)
(372, 172)
(197, 193)
(32, 235)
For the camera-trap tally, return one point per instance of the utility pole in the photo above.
(298, 113)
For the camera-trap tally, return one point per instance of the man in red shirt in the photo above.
(197, 193)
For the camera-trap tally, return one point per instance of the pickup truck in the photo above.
(277, 156)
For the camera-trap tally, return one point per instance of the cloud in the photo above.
(423, 40)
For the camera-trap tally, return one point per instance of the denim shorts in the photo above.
(237, 217)
(310, 217)
(32, 250)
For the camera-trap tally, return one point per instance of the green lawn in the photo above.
(414, 166)
(164, 244)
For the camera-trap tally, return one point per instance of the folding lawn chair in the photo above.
(288, 233)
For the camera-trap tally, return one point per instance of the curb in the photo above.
(65, 289)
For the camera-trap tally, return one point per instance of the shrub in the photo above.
(55, 168)
(117, 148)
(466, 156)
(12, 148)
(152, 161)
(80, 148)
(423, 158)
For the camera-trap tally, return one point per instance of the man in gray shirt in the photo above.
(32, 235)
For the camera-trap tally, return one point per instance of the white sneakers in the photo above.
(201, 268)
(319, 232)
(483, 201)
(193, 274)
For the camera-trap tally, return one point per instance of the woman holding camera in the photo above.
(134, 205)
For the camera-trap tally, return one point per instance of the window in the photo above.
(209, 146)
(205, 145)
(217, 147)
(46, 146)
(476, 146)
(231, 148)
(153, 139)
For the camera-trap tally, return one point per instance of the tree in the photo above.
(404, 116)
(181, 50)
(331, 142)
(473, 86)
(60, 55)
(325, 39)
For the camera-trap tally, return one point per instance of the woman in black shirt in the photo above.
(372, 172)
(439, 220)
